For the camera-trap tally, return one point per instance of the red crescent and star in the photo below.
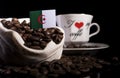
(41, 19)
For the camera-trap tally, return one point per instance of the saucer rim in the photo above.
(100, 46)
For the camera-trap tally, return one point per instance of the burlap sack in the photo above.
(13, 50)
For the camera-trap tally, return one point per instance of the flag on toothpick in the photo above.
(43, 18)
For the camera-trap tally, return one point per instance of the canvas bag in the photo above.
(13, 50)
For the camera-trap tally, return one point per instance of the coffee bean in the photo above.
(37, 43)
(15, 20)
(43, 44)
(45, 63)
(53, 76)
(13, 28)
(34, 38)
(85, 70)
(36, 47)
(99, 66)
(28, 44)
(44, 70)
(75, 72)
(3, 22)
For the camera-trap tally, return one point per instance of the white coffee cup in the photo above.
(77, 26)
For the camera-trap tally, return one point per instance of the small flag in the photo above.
(43, 18)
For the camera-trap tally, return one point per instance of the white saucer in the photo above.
(90, 46)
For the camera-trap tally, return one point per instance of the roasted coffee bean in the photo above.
(35, 43)
(85, 70)
(45, 63)
(13, 28)
(3, 22)
(24, 23)
(104, 62)
(44, 70)
(69, 63)
(28, 44)
(47, 40)
(66, 68)
(39, 34)
(26, 36)
(58, 38)
(43, 44)
(46, 33)
(15, 20)
(99, 66)
(53, 76)
(36, 47)
(34, 38)
(34, 72)
(17, 25)
(38, 37)
(27, 28)
(51, 30)
(7, 24)
(75, 72)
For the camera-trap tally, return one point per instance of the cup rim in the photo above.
(67, 14)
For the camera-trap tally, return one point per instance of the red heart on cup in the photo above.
(79, 24)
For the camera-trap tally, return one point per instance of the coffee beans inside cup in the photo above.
(34, 38)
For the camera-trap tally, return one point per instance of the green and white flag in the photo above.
(43, 18)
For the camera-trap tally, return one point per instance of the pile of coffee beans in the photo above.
(34, 38)
(66, 67)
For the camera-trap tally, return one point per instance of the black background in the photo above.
(106, 14)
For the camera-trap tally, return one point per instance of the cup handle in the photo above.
(97, 31)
